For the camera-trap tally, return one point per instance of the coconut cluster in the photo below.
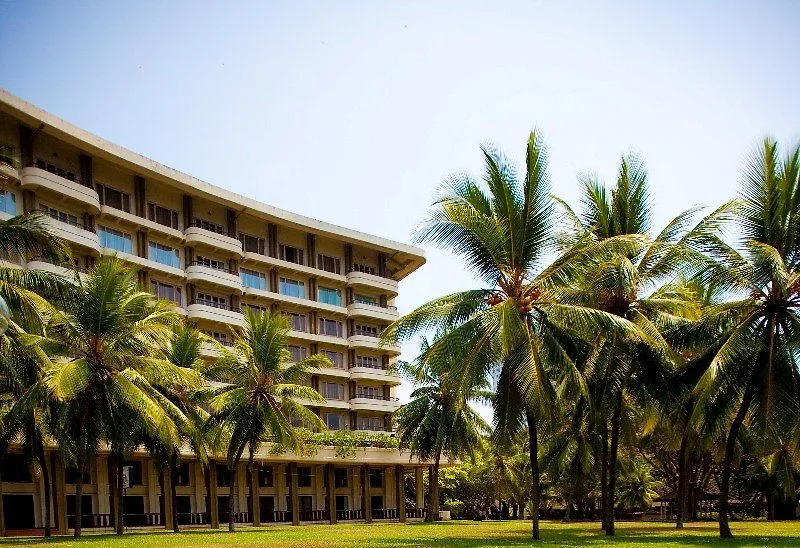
(494, 299)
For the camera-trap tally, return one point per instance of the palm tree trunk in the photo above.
(2, 512)
(120, 525)
(79, 494)
(604, 480)
(534, 456)
(207, 478)
(568, 507)
(162, 487)
(681, 494)
(730, 447)
(612, 464)
(434, 487)
(174, 491)
(47, 506)
(232, 492)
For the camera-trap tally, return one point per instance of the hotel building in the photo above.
(214, 252)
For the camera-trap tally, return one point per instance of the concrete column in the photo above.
(330, 486)
(102, 479)
(280, 488)
(295, 500)
(198, 481)
(213, 503)
(318, 472)
(59, 493)
(255, 505)
(38, 498)
(419, 484)
(388, 488)
(400, 492)
(355, 483)
(154, 489)
(366, 500)
(241, 495)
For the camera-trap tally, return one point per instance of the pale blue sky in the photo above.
(354, 112)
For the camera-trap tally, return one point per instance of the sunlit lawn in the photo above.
(467, 534)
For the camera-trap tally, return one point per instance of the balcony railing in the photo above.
(378, 304)
(215, 229)
(373, 428)
(349, 514)
(376, 397)
(55, 170)
(372, 366)
(219, 268)
(214, 304)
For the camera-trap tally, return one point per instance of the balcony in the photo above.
(384, 404)
(332, 403)
(340, 372)
(8, 171)
(140, 222)
(76, 234)
(145, 263)
(201, 237)
(205, 310)
(44, 266)
(211, 350)
(296, 301)
(373, 343)
(316, 338)
(378, 373)
(357, 278)
(35, 177)
(201, 273)
(286, 265)
(375, 311)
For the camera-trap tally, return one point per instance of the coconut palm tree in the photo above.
(109, 338)
(257, 400)
(439, 418)
(502, 228)
(753, 376)
(637, 285)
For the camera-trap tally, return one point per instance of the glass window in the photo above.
(53, 213)
(366, 269)
(184, 477)
(221, 338)
(134, 471)
(337, 358)
(162, 215)
(370, 392)
(329, 296)
(298, 352)
(291, 254)
(211, 300)
(304, 477)
(333, 390)
(164, 254)
(328, 264)
(8, 202)
(342, 503)
(15, 469)
(251, 244)
(265, 478)
(114, 239)
(376, 477)
(365, 299)
(297, 321)
(370, 423)
(166, 291)
(368, 361)
(331, 328)
(251, 278)
(366, 330)
(333, 422)
(211, 263)
(340, 477)
(293, 288)
(210, 226)
(114, 198)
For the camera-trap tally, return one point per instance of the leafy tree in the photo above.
(257, 400)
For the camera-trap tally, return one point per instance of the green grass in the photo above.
(464, 534)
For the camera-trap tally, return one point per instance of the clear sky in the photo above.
(354, 112)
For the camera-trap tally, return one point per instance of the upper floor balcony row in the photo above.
(199, 235)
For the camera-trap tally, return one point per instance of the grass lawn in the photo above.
(465, 534)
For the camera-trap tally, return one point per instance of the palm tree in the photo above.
(636, 285)
(257, 400)
(108, 340)
(754, 373)
(502, 228)
(439, 419)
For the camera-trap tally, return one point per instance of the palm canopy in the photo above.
(257, 398)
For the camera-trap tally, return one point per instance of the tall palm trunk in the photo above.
(534, 456)
(47, 488)
(604, 480)
(173, 495)
(232, 492)
(2, 512)
(682, 492)
(79, 494)
(433, 485)
(612, 464)
(120, 525)
(730, 447)
(207, 479)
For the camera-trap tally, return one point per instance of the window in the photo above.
(59, 215)
(211, 263)
(329, 264)
(364, 268)
(329, 296)
(256, 308)
(183, 475)
(134, 471)
(71, 476)
(368, 361)
(164, 254)
(221, 338)
(333, 390)
(340, 477)
(251, 244)
(211, 300)
(293, 288)
(265, 478)
(334, 421)
(366, 330)
(15, 469)
(223, 475)
(291, 254)
(342, 503)
(297, 321)
(114, 239)
(251, 278)
(337, 358)
(166, 291)
(298, 352)
(162, 215)
(365, 299)
(369, 423)
(210, 226)
(376, 479)
(8, 202)
(114, 198)
(332, 328)
(370, 392)
(304, 477)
